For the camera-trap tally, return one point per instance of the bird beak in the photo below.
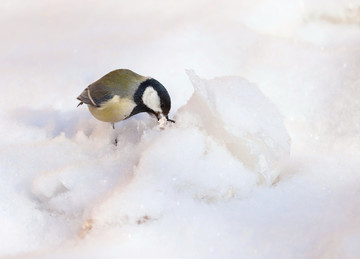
(167, 118)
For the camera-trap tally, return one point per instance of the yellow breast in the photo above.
(114, 110)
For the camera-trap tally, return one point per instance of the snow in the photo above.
(262, 162)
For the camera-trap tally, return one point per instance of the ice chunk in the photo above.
(239, 116)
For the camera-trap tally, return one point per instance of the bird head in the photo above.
(155, 98)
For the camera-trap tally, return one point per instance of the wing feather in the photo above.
(95, 96)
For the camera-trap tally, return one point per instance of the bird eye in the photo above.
(162, 105)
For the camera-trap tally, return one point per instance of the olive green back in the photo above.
(122, 82)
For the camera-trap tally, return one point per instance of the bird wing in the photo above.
(121, 82)
(94, 95)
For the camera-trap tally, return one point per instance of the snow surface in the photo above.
(262, 162)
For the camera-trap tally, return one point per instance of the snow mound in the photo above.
(237, 115)
(210, 154)
(227, 139)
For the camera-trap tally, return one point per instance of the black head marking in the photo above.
(165, 101)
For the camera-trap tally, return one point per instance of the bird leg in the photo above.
(115, 141)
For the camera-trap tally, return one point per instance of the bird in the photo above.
(123, 93)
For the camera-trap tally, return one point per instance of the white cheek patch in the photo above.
(151, 99)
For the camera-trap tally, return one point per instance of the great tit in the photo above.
(122, 93)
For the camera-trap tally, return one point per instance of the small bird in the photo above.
(122, 93)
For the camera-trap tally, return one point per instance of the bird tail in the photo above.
(85, 97)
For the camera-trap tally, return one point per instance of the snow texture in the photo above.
(262, 162)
